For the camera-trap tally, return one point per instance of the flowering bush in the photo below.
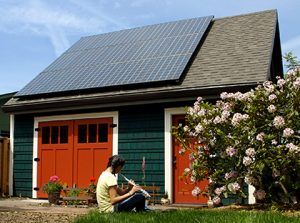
(251, 138)
(53, 185)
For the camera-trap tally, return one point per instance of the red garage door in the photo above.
(75, 151)
(183, 186)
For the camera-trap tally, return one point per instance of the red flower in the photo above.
(92, 180)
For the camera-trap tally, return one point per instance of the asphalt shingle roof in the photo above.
(236, 51)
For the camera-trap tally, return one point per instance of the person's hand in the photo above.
(135, 189)
(131, 183)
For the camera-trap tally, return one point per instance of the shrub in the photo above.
(251, 138)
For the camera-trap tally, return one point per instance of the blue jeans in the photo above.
(136, 201)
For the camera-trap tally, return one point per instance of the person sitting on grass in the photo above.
(112, 198)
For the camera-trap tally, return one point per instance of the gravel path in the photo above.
(22, 210)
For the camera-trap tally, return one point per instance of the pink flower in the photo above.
(281, 83)
(196, 191)
(260, 137)
(259, 194)
(287, 132)
(292, 148)
(230, 175)
(224, 95)
(199, 99)
(278, 122)
(230, 151)
(271, 109)
(234, 187)
(247, 160)
(199, 128)
(220, 190)
(236, 119)
(217, 120)
(216, 200)
(272, 97)
(54, 178)
(250, 152)
(296, 84)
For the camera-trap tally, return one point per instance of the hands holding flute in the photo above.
(135, 188)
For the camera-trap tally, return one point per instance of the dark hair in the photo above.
(115, 161)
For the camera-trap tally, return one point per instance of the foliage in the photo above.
(74, 192)
(53, 185)
(166, 195)
(91, 190)
(203, 215)
(251, 138)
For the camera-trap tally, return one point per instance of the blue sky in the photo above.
(33, 33)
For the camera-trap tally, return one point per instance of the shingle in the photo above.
(237, 50)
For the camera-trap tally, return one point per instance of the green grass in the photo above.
(186, 216)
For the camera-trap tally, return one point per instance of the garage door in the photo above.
(74, 150)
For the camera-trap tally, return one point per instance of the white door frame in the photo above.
(169, 112)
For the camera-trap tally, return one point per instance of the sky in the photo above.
(33, 33)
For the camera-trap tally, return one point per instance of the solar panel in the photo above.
(148, 54)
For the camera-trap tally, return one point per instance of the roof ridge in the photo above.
(247, 14)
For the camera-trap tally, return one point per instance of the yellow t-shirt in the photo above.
(105, 181)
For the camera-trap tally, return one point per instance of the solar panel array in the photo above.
(147, 54)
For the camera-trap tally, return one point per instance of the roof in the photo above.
(236, 53)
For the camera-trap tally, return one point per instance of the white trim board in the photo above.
(169, 112)
(114, 115)
(11, 154)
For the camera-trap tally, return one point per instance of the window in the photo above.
(54, 135)
(103, 132)
(45, 135)
(82, 133)
(64, 133)
(92, 133)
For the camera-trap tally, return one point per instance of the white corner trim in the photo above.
(251, 198)
(11, 154)
(169, 112)
(113, 114)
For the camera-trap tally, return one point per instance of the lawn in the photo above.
(191, 215)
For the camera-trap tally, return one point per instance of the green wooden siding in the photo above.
(23, 148)
(141, 133)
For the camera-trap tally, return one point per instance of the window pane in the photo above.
(82, 130)
(64, 134)
(54, 135)
(92, 133)
(45, 135)
(103, 132)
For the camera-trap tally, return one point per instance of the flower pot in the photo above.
(165, 201)
(54, 197)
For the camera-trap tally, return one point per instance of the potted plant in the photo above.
(53, 188)
(91, 190)
(165, 199)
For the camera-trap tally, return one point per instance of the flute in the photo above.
(142, 190)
